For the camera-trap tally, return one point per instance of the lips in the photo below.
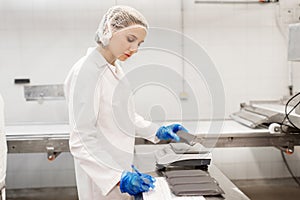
(128, 55)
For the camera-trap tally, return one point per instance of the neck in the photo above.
(107, 55)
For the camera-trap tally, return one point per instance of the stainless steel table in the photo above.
(231, 191)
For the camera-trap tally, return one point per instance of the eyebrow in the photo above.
(133, 36)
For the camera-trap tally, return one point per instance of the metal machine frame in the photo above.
(38, 139)
(55, 143)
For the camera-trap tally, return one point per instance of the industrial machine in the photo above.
(183, 155)
(281, 117)
(278, 117)
(294, 42)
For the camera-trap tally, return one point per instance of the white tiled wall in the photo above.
(42, 39)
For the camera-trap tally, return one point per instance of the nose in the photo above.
(133, 51)
(134, 48)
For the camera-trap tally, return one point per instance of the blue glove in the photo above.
(134, 183)
(169, 132)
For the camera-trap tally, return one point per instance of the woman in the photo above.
(102, 117)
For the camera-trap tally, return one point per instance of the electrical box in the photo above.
(294, 42)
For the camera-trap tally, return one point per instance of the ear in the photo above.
(105, 37)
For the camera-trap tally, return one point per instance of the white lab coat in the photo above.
(103, 126)
(3, 146)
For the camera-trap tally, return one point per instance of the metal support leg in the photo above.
(51, 153)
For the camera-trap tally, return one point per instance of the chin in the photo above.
(122, 58)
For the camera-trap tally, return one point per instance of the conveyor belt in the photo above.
(39, 138)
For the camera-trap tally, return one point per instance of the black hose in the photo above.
(289, 169)
(288, 113)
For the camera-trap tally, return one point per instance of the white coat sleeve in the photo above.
(145, 129)
(80, 93)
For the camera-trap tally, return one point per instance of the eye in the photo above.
(141, 42)
(130, 39)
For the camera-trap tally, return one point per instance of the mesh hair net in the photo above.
(116, 19)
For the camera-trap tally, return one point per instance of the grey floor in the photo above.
(270, 189)
(65, 193)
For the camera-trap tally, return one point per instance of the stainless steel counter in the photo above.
(231, 191)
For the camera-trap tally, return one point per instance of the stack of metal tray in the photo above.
(192, 183)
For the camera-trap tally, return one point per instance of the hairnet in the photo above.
(116, 19)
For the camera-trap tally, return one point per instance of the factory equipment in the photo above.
(278, 116)
(52, 139)
(281, 117)
(185, 168)
(183, 155)
(294, 42)
(38, 138)
(44, 92)
(263, 113)
(192, 183)
(294, 48)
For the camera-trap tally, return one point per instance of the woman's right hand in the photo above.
(134, 183)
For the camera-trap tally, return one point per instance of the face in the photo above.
(125, 43)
